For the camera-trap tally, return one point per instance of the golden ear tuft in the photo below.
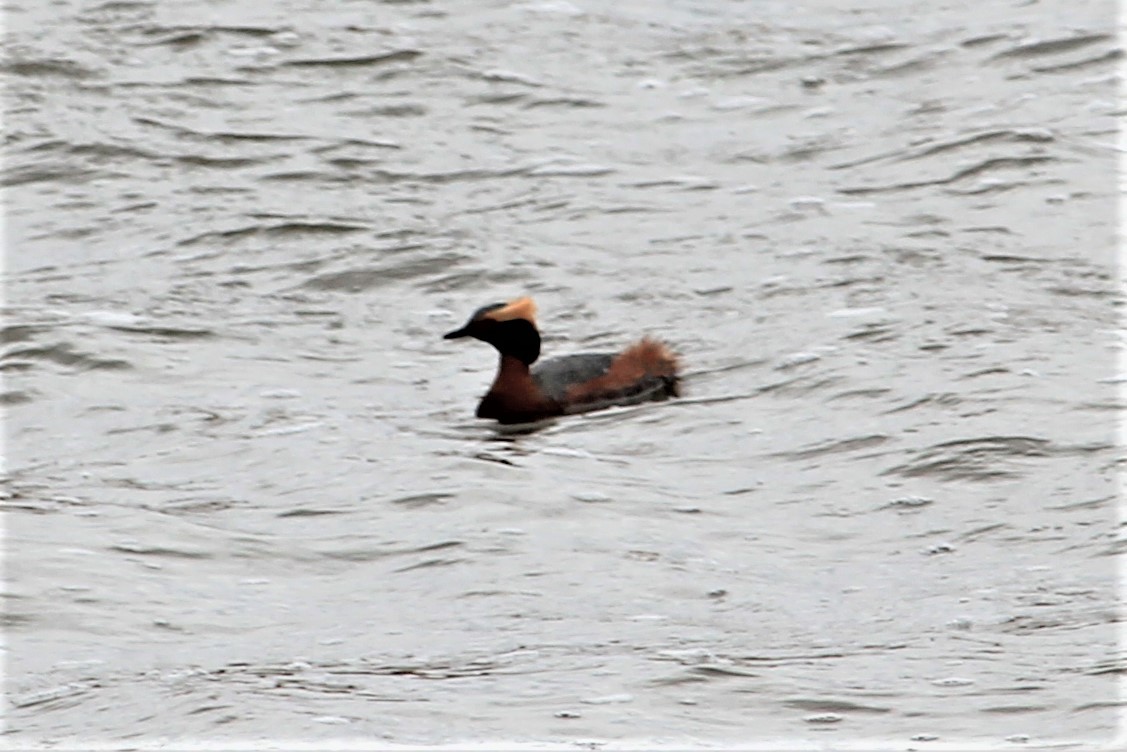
(521, 308)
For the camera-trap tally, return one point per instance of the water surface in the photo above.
(247, 499)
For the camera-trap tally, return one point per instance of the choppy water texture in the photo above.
(247, 496)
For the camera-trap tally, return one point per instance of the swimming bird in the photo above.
(525, 390)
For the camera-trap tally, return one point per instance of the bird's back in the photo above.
(556, 375)
(590, 381)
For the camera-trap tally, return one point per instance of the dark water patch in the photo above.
(360, 280)
(988, 229)
(48, 68)
(1115, 548)
(1052, 46)
(495, 458)
(20, 332)
(428, 564)
(1085, 505)
(382, 58)
(64, 354)
(534, 203)
(1014, 709)
(349, 143)
(972, 535)
(688, 182)
(123, 6)
(407, 109)
(1059, 619)
(150, 427)
(713, 291)
(1100, 706)
(987, 165)
(983, 40)
(943, 399)
(799, 385)
(871, 49)
(179, 39)
(216, 136)
(190, 36)
(807, 152)
(15, 397)
(252, 136)
(26, 174)
(306, 265)
(1011, 258)
(873, 333)
(416, 501)
(973, 459)
(912, 66)
(1112, 665)
(738, 365)
(433, 668)
(373, 554)
(1005, 135)
(503, 76)
(835, 447)
(569, 102)
(852, 258)
(213, 81)
(15, 619)
(334, 359)
(308, 512)
(393, 177)
(142, 549)
(352, 163)
(106, 150)
(970, 331)
(710, 61)
(53, 695)
(35, 506)
(833, 706)
(228, 163)
(511, 97)
(164, 332)
(284, 229)
(1075, 291)
(872, 393)
(723, 670)
(577, 170)
(992, 136)
(1000, 186)
(991, 371)
(185, 507)
(1108, 57)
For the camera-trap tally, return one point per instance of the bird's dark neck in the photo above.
(514, 396)
(517, 339)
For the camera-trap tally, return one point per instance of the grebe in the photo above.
(521, 393)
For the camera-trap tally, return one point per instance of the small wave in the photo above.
(359, 280)
(985, 458)
(1052, 46)
(836, 447)
(1089, 62)
(63, 354)
(360, 60)
(986, 165)
(47, 68)
(283, 229)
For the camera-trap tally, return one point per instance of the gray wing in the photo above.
(556, 375)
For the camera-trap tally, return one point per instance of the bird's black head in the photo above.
(509, 327)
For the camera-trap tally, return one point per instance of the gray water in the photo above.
(247, 500)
